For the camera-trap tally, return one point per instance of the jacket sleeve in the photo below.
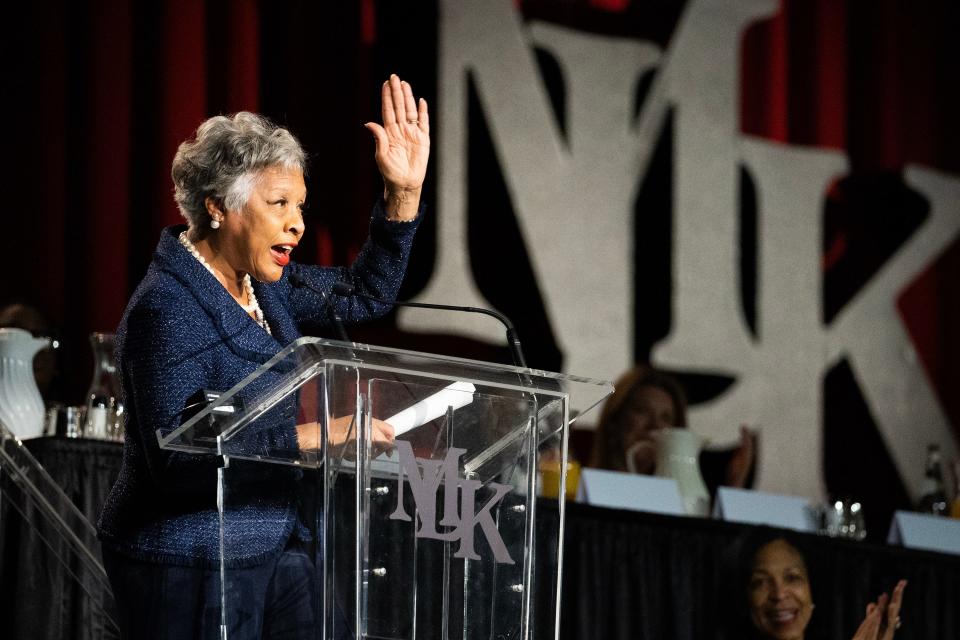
(167, 357)
(378, 271)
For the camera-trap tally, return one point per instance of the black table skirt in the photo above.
(643, 576)
(39, 599)
(626, 575)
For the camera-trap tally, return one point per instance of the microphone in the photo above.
(347, 290)
(299, 282)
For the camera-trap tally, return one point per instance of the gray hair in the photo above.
(223, 159)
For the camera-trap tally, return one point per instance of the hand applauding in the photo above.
(883, 616)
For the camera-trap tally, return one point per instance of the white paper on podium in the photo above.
(455, 396)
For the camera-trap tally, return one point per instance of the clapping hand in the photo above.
(403, 147)
(738, 469)
(883, 616)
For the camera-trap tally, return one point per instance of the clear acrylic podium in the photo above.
(433, 538)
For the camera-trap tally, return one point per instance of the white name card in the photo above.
(618, 490)
(755, 507)
(922, 531)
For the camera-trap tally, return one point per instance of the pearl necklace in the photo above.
(253, 307)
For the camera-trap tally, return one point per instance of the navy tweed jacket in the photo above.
(182, 333)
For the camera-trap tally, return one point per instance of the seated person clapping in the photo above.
(778, 596)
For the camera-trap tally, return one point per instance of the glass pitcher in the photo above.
(104, 414)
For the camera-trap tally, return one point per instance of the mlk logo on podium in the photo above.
(425, 478)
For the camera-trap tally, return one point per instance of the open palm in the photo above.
(403, 141)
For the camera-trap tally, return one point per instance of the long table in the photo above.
(626, 574)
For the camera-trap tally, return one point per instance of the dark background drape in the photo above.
(45, 593)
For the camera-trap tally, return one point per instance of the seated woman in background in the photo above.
(645, 401)
(776, 585)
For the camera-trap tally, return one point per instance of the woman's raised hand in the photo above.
(883, 616)
(403, 147)
(742, 460)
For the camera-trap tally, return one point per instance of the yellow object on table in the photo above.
(550, 478)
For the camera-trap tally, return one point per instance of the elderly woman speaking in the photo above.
(216, 303)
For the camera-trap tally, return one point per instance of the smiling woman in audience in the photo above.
(780, 600)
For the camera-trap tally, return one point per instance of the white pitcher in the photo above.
(21, 407)
(678, 457)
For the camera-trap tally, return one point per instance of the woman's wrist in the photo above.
(401, 205)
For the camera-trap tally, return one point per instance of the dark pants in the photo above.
(275, 600)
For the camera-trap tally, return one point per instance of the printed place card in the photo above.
(618, 490)
(756, 507)
(927, 532)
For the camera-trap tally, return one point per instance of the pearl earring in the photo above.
(214, 223)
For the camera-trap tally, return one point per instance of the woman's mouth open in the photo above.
(281, 253)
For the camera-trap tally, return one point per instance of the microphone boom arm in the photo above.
(344, 289)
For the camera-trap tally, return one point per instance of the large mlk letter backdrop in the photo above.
(576, 120)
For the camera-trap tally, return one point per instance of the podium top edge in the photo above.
(507, 368)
